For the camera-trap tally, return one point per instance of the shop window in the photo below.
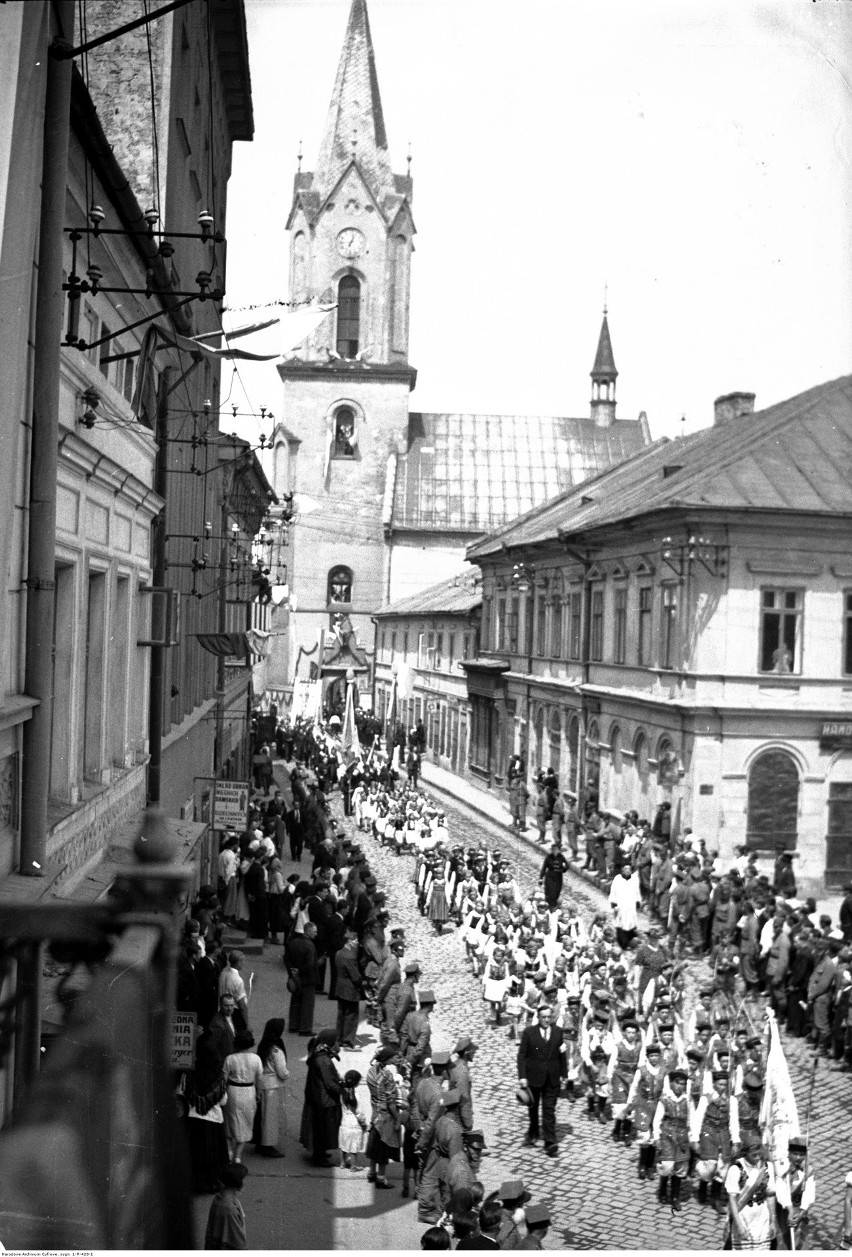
(345, 439)
(340, 584)
(781, 630)
(773, 801)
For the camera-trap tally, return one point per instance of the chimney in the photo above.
(732, 406)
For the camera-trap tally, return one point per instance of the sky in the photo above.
(689, 159)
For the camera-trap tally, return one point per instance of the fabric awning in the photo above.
(235, 645)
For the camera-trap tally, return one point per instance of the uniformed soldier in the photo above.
(670, 1132)
(537, 1218)
(512, 1196)
(425, 1111)
(415, 1035)
(460, 1078)
(445, 1141)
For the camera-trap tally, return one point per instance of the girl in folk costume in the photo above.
(473, 927)
(353, 1122)
(624, 1058)
(436, 902)
(514, 1005)
(645, 1090)
(496, 982)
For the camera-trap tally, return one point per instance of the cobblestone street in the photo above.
(593, 1191)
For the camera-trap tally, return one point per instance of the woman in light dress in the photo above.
(243, 1071)
(273, 1088)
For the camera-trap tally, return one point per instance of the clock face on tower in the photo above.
(350, 242)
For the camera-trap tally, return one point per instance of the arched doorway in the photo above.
(773, 801)
(838, 842)
(643, 776)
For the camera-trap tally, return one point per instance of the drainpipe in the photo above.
(41, 538)
(44, 458)
(158, 653)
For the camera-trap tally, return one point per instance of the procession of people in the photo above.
(598, 1008)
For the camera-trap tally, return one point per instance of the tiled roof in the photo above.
(472, 473)
(456, 596)
(795, 456)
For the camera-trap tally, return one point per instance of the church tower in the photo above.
(346, 390)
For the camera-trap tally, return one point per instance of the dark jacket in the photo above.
(301, 957)
(542, 1064)
(348, 980)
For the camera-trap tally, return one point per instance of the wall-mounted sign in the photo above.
(183, 1040)
(836, 735)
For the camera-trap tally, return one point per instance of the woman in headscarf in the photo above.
(206, 1095)
(273, 1057)
(322, 1112)
(384, 1139)
(243, 1071)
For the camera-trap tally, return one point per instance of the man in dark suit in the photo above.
(541, 1064)
(348, 990)
(300, 958)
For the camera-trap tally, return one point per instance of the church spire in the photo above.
(355, 128)
(604, 375)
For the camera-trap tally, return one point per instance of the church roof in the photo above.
(792, 457)
(456, 596)
(355, 127)
(473, 473)
(604, 367)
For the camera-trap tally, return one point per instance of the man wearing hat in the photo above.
(795, 1192)
(463, 1167)
(537, 1218)
(406, 996)
(446, 1140)
(820, 989)
(425, 1111)
(390, 974)
(415, 1034)
(512, 1196)
(566, 821)
(645, 1091)
(460, 1077)
(541, 1065)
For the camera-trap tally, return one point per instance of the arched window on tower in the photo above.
(348, 316)
(345, 440)
(340, 584)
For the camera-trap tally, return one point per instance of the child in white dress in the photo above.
(353, 1124)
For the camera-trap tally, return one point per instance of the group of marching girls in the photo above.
(687, 1090)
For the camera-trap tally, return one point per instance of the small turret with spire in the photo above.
(603, 378)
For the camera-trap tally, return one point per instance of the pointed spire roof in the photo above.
(604, 368)
(355, 128)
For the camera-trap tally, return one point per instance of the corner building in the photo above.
(680, 630)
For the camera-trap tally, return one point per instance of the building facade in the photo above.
(679, 629)
(387, 499)
(422, 643)
(113, 183)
